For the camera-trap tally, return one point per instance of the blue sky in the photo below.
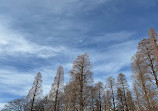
(39, 35)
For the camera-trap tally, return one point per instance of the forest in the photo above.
(83, 94)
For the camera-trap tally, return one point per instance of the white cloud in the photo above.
(115, 57)
(18, 83)
(115, 36)
(15, 82)
(2, 105)
(14, 43)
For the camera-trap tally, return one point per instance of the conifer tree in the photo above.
(110, 84)
(99, 95)
(143, 83)
(123, 87)
(35, 92)
(107, 101)
(82, 75)
(57, 90)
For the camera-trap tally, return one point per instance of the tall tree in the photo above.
(35, 92)
(120, 99)
(153, 37)
(147, 55)
(99, 95)
(107, 101)
(57, 90)
(110, 84)
(137, 99)
(81, 73)
(123, 86)
(15, 105)
(92, 98)
(130, 102)
(143, 83)
(71, 97)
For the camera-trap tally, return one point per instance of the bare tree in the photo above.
(110, 84)
(35, 92)
(71, 97)
(120, 99)
(153, 37)
(92, 98)
(130, 102)
(99, 95)
(82, 75)
(137, 99)
(57, 90)
(107, 101)
(15, 105)
(143, 83)
(123, 87)
(147, 55)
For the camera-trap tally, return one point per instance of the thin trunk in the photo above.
(56, 96)
(32, 104)
(124, 93)
(81, 90)
(154, 73)
(138, 100)
(113, 99)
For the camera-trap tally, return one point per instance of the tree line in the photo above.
(82, 94)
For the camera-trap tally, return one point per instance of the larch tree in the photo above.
(111, 85)
(123, 87)
(107, 101)
(153, 37)
(82, 75)
(99, 95)
(35, 93)
(143, 83)
(137, 97)
(120, 99)
(15, 105)
(71, 97)
(92, 98)
(147, 55)
(130, 102)
(57, 90)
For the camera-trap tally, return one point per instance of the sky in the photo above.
(39, 35)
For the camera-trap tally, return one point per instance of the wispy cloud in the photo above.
(114, 58)
(14, 43)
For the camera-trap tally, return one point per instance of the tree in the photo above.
(99, 95)
(120, 100)
(147, 55)
(153, 37)
(35, 92)
(15, 105)
(143, 83)
(110, 84)
(92, 98)
(57, 90)
(71, 96)
(82, 75)
(130, 102)
(123, 87)
(137, 99)
(107, 101)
